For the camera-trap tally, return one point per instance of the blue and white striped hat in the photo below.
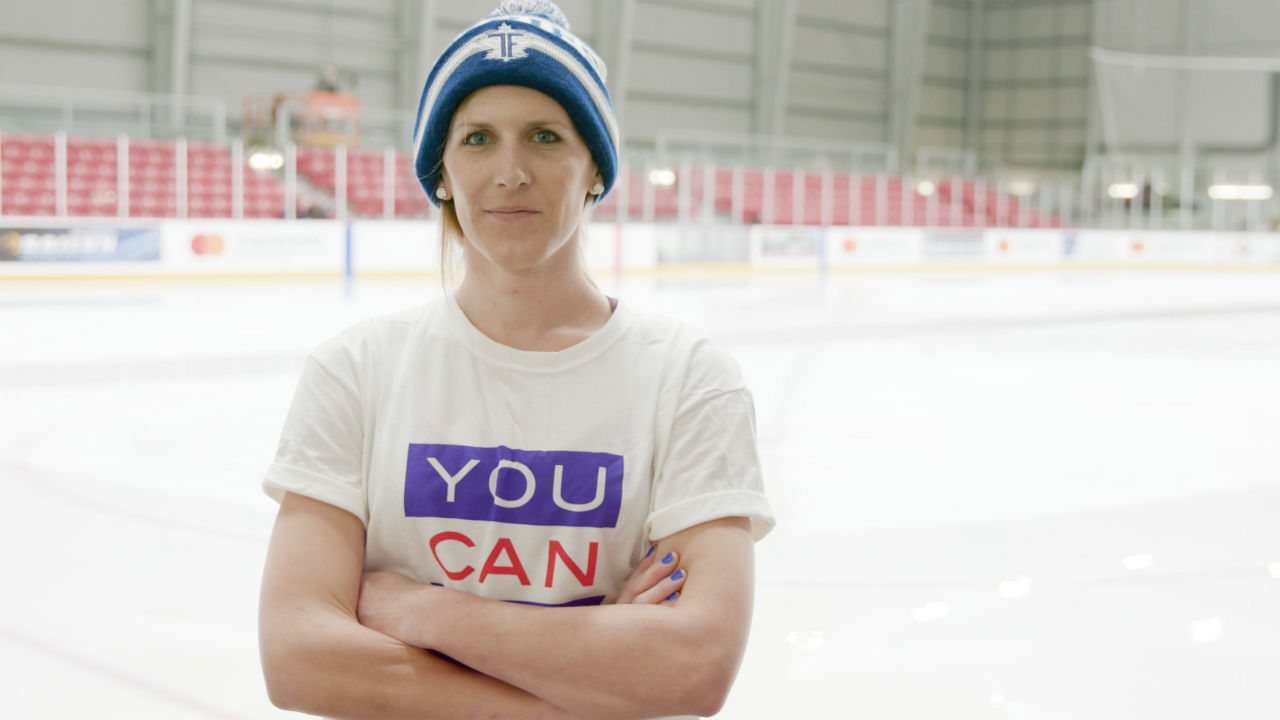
(527, 43)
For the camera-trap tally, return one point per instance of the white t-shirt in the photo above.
(536, 477)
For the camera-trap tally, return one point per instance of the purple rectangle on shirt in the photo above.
(502, 484)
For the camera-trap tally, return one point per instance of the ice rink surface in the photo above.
(1035, 495)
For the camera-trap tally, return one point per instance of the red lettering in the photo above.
(587, 578)
(491, 566)
(459, 537)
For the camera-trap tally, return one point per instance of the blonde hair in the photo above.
(451, 239)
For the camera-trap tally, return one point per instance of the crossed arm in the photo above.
(613, 661)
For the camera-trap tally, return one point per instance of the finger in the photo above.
(637, 581)
(643, 578)
(661, 592)
(647, 561)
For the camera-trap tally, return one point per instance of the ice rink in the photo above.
(1034, 495)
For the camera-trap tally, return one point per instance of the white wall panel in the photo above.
(120, 23)
(935, 136)
(1076, 18)
(945, 61)
(835, 91)
(942, 101)
(1151, 25)
(1223, 108)
(998, 23)
(948, 22)
(385, 7)
(694, 28)
(75, 43)
(739, 6)
(646, 118)
(834, 46)
(241, 81)
(1026, 138)
(1231, 110)
(999, 65)
(1073, 104)
(581, 13)
(1070, 137)
(1072, 61)
(64, 67)
(1241, 27)
(286, 22)
(995, 104)
(862, 12)
(834, 128)
(1035, 21)
(466, 12)
(1037, 103)
(692, 77)
(1033, 63)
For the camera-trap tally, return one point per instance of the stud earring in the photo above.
(442, 193)
(597, 189)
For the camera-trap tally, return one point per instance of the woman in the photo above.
(448, 472)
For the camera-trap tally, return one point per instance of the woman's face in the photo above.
(518, 174)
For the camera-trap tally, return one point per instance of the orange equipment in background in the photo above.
(327, 116)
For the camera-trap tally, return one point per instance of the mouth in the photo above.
(511, 213)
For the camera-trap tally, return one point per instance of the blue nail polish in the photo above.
(673, 596)
(678, 576)
(667, 560)
(651, 549)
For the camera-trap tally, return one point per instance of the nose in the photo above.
(512, 170)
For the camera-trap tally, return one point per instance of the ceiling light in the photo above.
(266, 160)
(1123, 191)
(1022, 188)
(1240, 192)
(663, 177)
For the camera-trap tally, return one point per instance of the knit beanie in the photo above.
(526, 43)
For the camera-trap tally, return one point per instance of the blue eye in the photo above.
(545, 136)
(475, 138)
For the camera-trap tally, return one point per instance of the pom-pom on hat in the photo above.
(527, 43)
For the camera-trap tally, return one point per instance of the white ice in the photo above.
(1035, 495)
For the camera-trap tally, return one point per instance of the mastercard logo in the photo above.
(207, 244)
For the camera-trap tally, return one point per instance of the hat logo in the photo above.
(506, 44)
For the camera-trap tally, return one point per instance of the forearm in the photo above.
(318, 658)
(612, 661)
(325, 663)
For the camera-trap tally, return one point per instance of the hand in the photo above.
(391, 604)
(655, 581)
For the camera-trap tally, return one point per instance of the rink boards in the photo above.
(41, 247)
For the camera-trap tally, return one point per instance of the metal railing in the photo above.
(37, 109)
